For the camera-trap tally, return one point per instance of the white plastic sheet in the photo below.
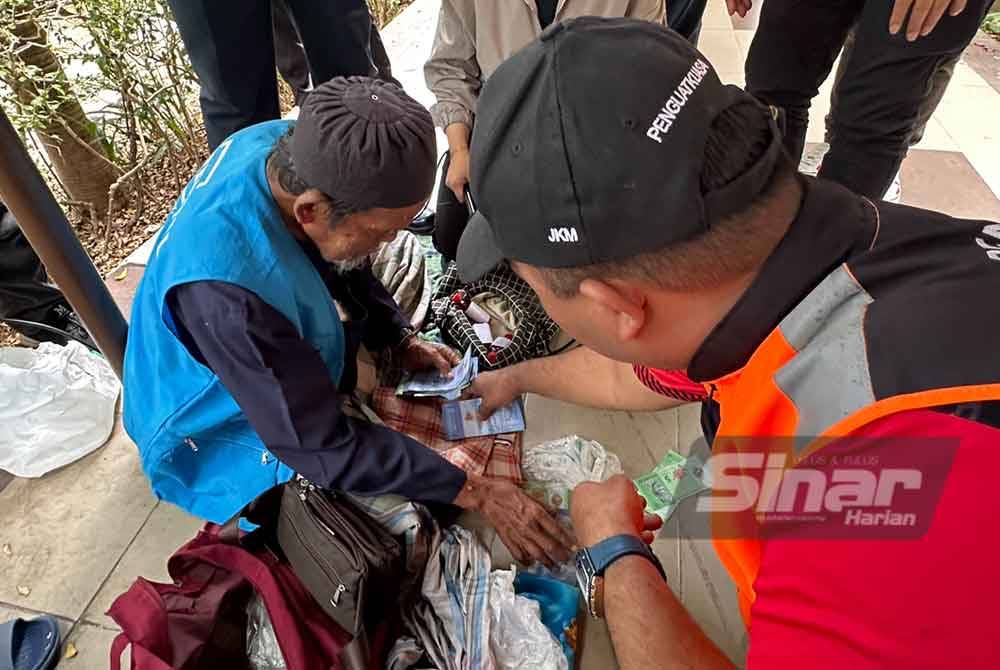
(57, 404)
(518, 638)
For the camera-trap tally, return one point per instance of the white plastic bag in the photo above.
(518, 638)
(57, 404)
(263, 650)
(553, 469)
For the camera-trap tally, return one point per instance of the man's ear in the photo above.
(308, 207)
(627, 304)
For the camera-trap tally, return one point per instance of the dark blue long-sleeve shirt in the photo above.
(282, 385)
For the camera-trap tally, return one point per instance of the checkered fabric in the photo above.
(532, 335)
(497, 456)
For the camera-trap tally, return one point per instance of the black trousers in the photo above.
(24, 289)
(884, 89)
(231, 47)
(684, 16)
(450, 216)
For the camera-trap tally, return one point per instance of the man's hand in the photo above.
(497, 389)
(611, 508)
(740, 7)
(416, 354)
(458, 172)
(924, 17)
(527, 528)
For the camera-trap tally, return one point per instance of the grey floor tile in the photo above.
(689, 433)
(166, 530)
(5, 479)
(668, 548)
(945, 181)
(93, 648)
(634, 437)
(596, 651)
(67, 530)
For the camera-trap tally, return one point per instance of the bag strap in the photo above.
(264, 582)
(142, 658)
(262, 511)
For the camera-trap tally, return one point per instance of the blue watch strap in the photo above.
(606, 552)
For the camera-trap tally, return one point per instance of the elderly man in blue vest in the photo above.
(257, 297)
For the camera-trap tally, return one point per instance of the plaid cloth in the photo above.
(496, 456)
(533, 332)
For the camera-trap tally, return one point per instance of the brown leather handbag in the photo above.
(351, 566)
(349, 563)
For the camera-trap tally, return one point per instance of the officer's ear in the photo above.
(626, 303)
(311, 207)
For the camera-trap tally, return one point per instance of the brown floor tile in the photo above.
(945, 181)
(123, 283)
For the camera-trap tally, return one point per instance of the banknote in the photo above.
(674, 478)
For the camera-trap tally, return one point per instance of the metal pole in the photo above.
(43, 222)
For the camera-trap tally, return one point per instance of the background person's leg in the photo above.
(23, 284)
(792, 54)
(289, 55)
(938, 85)
(450, 217)
(888, 91)
(231, 48)
(25, 292)
(336, 35)
(684, 16)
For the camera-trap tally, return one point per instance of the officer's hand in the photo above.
(611, 508)
(924, 16)
(496, 389)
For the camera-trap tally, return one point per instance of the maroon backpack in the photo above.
(199, 621)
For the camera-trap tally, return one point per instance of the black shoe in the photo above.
(59, 324)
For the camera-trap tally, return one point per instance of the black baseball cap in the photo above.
(365, 142)
(588, 147)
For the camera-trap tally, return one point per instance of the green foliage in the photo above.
(122, 59)
(991, 23)
(386, 10)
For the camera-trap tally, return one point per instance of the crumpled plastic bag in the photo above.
(263, 651)
(553, 469)
(518, 638)
(559, 605)
(57, 404)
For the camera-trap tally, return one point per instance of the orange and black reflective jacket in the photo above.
(862, 311)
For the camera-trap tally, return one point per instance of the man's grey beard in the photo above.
(345, 266)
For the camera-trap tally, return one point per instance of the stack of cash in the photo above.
(675, 478)
(431, 383)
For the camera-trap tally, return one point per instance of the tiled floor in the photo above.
(78, 537)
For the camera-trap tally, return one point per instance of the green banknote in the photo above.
(671, 481)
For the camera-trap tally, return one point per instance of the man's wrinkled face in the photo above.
(348, 242)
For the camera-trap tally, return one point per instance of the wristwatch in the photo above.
(591, 564)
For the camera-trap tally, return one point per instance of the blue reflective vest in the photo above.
(197, 447)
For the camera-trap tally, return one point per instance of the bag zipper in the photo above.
(341, 587)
